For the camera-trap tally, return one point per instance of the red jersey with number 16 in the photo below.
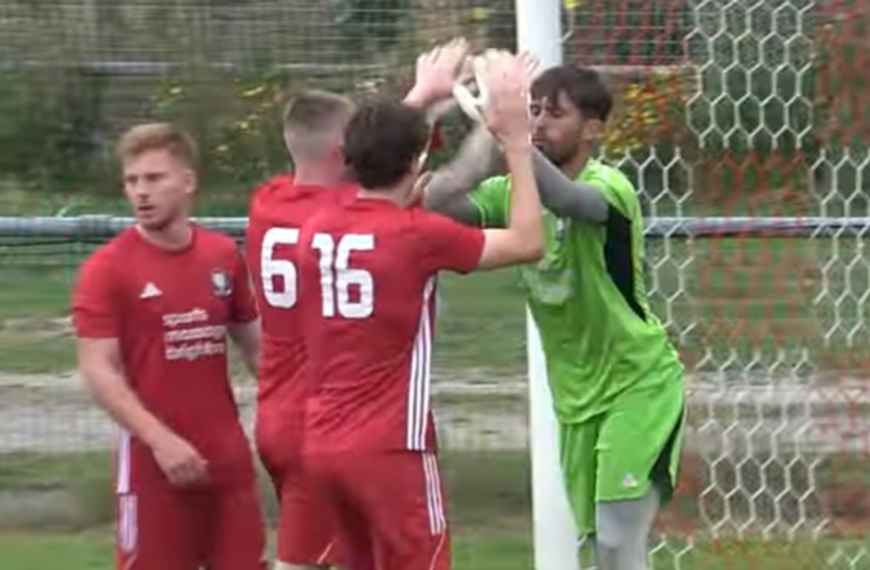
(367, 273)
(277, 211)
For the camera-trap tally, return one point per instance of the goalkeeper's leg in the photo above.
(637, 455)
(578, 461)
(622, 529)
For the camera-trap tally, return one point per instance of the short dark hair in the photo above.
(382, 141)
(581, 85)
(312, 120)
(315, 109)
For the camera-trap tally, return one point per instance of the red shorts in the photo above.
(390, 507)
(161, 527)
(306, 529)
(165, 529)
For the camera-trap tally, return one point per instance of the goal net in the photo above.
(743, 123)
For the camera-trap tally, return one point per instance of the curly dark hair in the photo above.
(382, 142)
(581, 85)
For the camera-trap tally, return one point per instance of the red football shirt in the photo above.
(277, 211)
(169, 311)
(368, 270)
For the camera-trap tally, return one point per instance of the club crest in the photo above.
(220, 283)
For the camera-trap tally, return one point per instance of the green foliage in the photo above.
(50, 122)
(235, 119)
(369, 24)
(499, 21)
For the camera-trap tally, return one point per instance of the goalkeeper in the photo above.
(616, 380)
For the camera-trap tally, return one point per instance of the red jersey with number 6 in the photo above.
(277, 211)
(367, 273)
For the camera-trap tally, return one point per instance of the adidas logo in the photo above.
(150, 291)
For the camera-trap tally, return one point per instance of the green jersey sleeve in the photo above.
(492, 200)
(616, 188)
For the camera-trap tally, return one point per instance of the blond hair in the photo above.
(158, 136)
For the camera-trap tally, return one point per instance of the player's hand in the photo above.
(438, 70)
(531, 65)
(507, 80)
(180, 462)
(418, 192)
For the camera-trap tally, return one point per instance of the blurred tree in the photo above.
(369, 24)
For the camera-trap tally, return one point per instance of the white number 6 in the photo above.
(271, 267)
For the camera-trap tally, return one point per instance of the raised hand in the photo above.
(531, 65)
(438, 70)
(504, 79)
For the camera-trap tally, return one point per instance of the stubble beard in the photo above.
(560, 157)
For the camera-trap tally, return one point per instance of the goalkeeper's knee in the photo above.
(622, 529)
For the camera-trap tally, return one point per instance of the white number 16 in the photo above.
(336, 275)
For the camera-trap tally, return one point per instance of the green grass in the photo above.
(489, 508)
(93, 550)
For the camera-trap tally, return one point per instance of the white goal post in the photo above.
(539, 31)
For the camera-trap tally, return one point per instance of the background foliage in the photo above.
(758, 95)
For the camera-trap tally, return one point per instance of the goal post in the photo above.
(539, 31)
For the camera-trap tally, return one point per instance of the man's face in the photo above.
(158, 186)
(557, 128)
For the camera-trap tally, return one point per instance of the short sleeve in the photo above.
(244, 306)
(492, 200)
(95, 302)
(449, 245)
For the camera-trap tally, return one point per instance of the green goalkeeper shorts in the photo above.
(618, 455)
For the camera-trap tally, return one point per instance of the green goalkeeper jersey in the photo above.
(589, 299)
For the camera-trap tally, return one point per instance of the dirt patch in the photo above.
(39, 327)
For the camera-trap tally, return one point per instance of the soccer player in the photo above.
(616, 380)
(314, 126)
(367, 273)
(152, 310)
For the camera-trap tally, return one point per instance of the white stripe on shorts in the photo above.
(123, 465)
(127, 525)
(434, 500)
(420, 380)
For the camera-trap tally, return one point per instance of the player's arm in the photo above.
(244, 327)
(522, 241)
(99, 364)
(95, 315)
(447, 191)
(565, 197)
(454, 246)
(507, 116)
